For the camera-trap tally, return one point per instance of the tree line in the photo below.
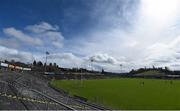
(165, 70)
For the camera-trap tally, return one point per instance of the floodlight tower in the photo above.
(121, 67)
(81, 75)
(47, 53)
(92, 64)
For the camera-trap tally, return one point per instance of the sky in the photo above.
(134, 33)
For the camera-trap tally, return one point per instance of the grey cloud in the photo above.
(103, 58)
(115, 13)
(10, 43)
(109, 63)
(61, 56)
(56, 38)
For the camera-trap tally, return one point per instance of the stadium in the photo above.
(89, 55)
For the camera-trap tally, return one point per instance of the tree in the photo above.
(50, 64)
(40, 63)
(102, 71)
(5, 61)
(44, 64)
(12, 61)
(54, 65)
(167, 70)
(132, 71)
(34, 63)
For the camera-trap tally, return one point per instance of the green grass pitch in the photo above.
(126, 93)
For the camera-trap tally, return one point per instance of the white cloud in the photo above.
(144, 34)
(39, 36)
(57, 44)
(164, 54)
(56, 38)
(152, 22)
(42, 27)
(49, 33)
(13, 54)
(68, 60)
(22, 36)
